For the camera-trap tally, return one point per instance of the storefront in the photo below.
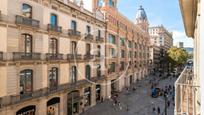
(114, 87)
(53, 107)
(29, 110)
(131, 79)
(98, 93)
(87, 96)
(73, 102)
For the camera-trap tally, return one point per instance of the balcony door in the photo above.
(26, 43)
(88, 49)
(73, 47)
(98, 70)
(73, 74)
(53, 19)
(88, 72)
(53, 78)
(53, 46)
(73, 25)
(26, 82)
(27, 10)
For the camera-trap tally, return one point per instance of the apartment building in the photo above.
(127, 46)
(160, 41)
(189, 85)
(51, 52)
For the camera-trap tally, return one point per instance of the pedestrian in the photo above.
(153, 109)
(158, 110)
(168, 103)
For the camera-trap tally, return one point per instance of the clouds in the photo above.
(180, 36)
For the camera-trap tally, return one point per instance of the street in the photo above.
(138, 102)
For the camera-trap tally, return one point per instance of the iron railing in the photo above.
(89, 37)
(26, 56)
(27, 21)
(186, 94)
(88, 56)
(72, 57)
(99, 39)
(55, 28)
(50, 56)
(74, 33)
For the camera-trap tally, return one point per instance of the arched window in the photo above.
(88, 72)
(27, 10)
(74, 74)
(26, 82)
(73, 47)
(27, 41)
(53, 46)
(99, 51)
(53, 78)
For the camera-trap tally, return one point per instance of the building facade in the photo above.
(127, 46)
(180, 44)
(189, 86)
(51, 51)
(161, 41)
(57, 58)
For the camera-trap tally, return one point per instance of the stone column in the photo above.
(41, 108)
(63, 104)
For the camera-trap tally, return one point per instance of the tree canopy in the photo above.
(177, 55)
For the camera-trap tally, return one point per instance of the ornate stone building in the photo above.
(54, 55)
(161, 41)
(127, 46)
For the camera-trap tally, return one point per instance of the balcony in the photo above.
(72, 57)
(89, 37)
(17, 56)
(88, 57)
(50, 56)
(99, 39)
(74, 33)
(27, 21)
(1, 56)
(54, 28)
(185, 92)
(15, 99)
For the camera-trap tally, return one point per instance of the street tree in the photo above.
(177, 56)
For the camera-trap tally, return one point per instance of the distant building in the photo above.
(160, 41)
(189, 50)
(180, 44)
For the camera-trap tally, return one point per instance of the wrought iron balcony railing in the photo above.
(50, 56)
(89, 37)
(88, 56)
(27, 21)
(26, 56)
(99, 39)
(74, 33)
(55, 28)
(186, 89)
(72, 57)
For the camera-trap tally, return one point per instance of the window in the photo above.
(53, 46)
(122, 54)
(88, 49)
(99, 33)
(99, 50)
(27, 41)
(111, 3)
(98, 70)
(26, 82)
(53, 78)
(53, 20)
(73, 25)
(129, 44)
(122, 65)
(73, 74)
(112, 52)
(135, 54)
(73, 47)
(112, 67)
(100, 3)
(88, 29)
(111, 39)
(27, 10)
(88, 72)
(130, 54)
(122, 42)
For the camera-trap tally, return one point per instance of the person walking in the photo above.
(158, 110)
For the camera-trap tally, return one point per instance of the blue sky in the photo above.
(165, 12)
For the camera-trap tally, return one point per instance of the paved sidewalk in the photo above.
(139, 102)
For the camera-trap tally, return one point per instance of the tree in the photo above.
(177, 56)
